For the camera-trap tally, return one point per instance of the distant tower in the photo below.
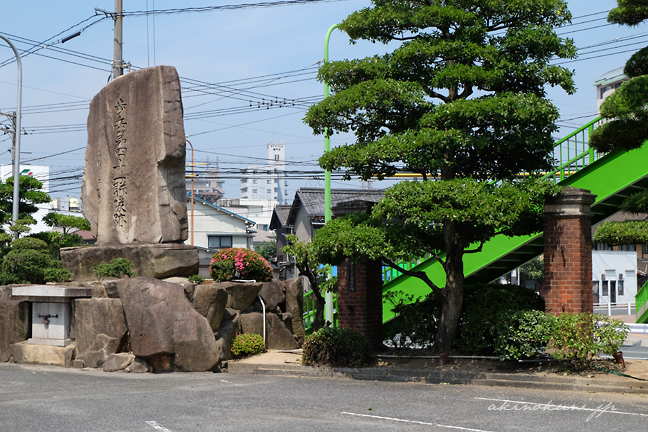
(267, 182)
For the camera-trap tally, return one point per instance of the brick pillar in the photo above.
(568, 252)
(360, 298)
(360, 286)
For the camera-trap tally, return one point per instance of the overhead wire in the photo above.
(222, 7)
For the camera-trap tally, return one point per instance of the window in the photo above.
(268, 181)
(286, 183)
(219, 242)
(604, 288)
(276, 157)
(595, 287)
(603, 90)
(620, 285)
(601, 246)
(268, 190)
(644, 249)
(628, 247)
(254, 182)
(254, 191)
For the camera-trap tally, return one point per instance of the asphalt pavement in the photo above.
(38, 398)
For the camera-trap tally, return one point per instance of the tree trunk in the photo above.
(318, 323)
(452, 300)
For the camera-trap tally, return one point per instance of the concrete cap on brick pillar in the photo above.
(570, 201)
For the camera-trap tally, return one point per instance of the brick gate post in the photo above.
(359, 294)
(568, 252)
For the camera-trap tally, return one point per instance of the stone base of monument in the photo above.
(24, 352)
(152, 260)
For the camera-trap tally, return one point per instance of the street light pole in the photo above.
(328, 296)
(16, 169)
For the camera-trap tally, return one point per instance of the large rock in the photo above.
(209, 301)
(154, 260)
(226, 334)
(273, 294)
(277, 335)
(241, 295)
(14, 325)
(117, 362)
(295, 307)
(164, 327)
(134, 180)
(100, 329)
(24, 352)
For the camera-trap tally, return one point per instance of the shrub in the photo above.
(337, 347)
(197, 279)
(523, 335)
(55, 274)
(24, 266)
(484, 307)
(247, 344)
(237, 263)
(114, 268)
(30, 243)
(579, 337)
(417, 323)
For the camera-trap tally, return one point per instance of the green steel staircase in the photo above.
(611, 177)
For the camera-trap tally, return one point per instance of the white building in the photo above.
(607, 83)
(267, 182)
(264, 187)
(614, 276)
(215, 228)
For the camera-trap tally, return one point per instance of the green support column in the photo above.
(328, 297)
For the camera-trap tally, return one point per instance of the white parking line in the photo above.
(414, 421)
(157, 426)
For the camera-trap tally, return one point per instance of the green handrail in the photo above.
(309, 311)
(641, 298)
(582, 152)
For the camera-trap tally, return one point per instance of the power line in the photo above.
(224, 7)
(52, 155)
(42, 45)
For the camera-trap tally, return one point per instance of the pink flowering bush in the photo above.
(238, 263)
(248, 344)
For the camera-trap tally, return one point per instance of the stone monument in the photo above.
(133, 189)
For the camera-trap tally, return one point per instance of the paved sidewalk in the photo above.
(429, 371)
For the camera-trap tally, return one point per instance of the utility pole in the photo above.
(11, 131)
(118, 64)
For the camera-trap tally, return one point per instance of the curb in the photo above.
(614, 385)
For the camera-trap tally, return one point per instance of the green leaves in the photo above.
(629, 12)
(622, 233)
(114, 268)
(578, 337)
(66, 222)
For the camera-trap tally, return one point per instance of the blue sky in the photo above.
(222, 47)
